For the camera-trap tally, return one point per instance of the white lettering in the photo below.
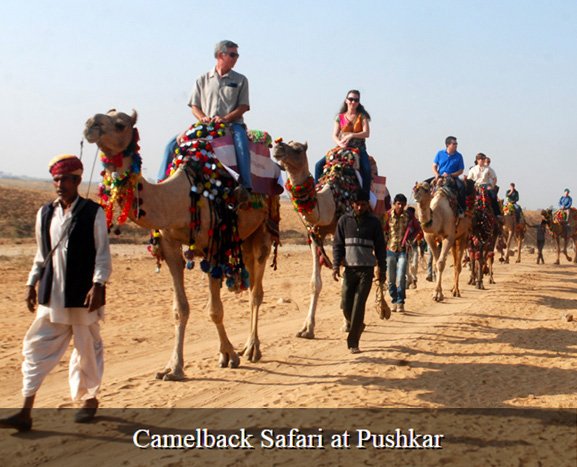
(136, 440)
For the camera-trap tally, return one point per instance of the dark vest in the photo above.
(80, 257)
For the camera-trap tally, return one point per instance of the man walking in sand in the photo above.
(71, 267)
(358, 234)
(395, 228)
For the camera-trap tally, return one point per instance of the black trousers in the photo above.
(357, 283)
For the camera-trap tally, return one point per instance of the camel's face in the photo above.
(421, 190)
(112, 132)
(291, 156)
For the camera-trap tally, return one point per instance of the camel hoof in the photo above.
(306, 334)
(252, 353)
(173, 377)
(556, 262)
(170, 375)
(223, 360)
(234, 361)
(518, 261)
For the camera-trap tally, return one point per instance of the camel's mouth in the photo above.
(92, 131)
(279, 153)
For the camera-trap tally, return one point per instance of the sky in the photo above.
(498, 75)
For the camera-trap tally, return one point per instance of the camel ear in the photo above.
(306, 145)
(134, 117)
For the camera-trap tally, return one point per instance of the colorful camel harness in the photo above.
(211, 185)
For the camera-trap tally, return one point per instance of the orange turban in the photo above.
(65, 164)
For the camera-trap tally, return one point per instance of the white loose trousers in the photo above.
(45, 344)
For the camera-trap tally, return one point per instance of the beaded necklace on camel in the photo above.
(121, 187)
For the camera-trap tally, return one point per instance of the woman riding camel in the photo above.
(351, 129)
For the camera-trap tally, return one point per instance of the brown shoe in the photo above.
(17, 422)
(88, 411)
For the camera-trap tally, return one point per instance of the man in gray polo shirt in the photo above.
(221, 95)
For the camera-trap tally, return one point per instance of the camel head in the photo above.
(112, 131)
(292, 157)
(421, 191)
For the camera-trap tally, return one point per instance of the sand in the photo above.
(512, 345)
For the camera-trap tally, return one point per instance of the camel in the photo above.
(442, 233)
(484, 233)
(560, 230)
(513, 229)
(167, 207)
(319, 211)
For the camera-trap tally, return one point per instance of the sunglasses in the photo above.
(353, 99)
(232, 54)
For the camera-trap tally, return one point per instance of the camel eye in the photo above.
(119, 126)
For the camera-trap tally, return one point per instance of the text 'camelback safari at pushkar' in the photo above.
(295, 438)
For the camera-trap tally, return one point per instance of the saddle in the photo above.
(448, 188)
(340, 173)
(264, 172)
(513, 208)
(561, 216)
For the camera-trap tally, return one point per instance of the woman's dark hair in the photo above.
(360, 109)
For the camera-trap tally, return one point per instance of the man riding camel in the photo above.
(565, 203)
(449, 162)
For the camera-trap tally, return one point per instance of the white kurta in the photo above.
(49, 335)
(102, 269)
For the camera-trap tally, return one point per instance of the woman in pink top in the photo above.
(351, 129)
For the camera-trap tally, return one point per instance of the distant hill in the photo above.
(21, 198)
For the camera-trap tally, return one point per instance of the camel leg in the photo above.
(174, 369)
(255, 253)
(441, 261)
(558, 243)
(519, 245)
(472, 265)
(566, 241)
(491, 261)
(228, 356)
(481, 266)
(457, 257)
(507, 251)
(308, 329)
